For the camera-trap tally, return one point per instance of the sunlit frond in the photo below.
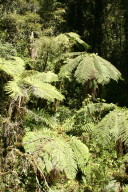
(90, 67)
(42, 90)
(13, 67)
(40, 76)
(13, 89)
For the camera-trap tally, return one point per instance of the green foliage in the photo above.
(85, 119)
(52, 50)
(34, 120)
(13, 67)
(77, 41)
(74, 146)
(25, 83)
(7, 50)
(90, 67)
(125, 188)
(54, 16)
(57, 153)
(112, 186)
(81, 153)
(113, 127)
(19, 26)
(71, 39)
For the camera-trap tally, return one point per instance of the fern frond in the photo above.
(13, 67)
(13, 89)
(75, 38)
(39, 85)
(106, 70)
(62, 156)
(29, 82)
(48, 77)
(112, 127)
(42, 90)
(56, 152)
(41, 117)
(71, 64)
(94, 67)
(77, 125)
(62, 43)
(81, 152)
(90, 67)
(86, 69)
(46, 91)
(68, 40)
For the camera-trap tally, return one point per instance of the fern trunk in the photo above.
(90, 89)
(12, 133)
(120, 148)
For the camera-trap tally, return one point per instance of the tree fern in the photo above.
(56, 152)
(48, 77)
(90, 67)
(63, 43)
(113, 126)
(51, 51)
(25, 82)
(42, 90)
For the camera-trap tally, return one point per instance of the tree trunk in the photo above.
(120, 148)
(98, 26)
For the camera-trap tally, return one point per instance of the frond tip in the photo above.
(13, 89)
